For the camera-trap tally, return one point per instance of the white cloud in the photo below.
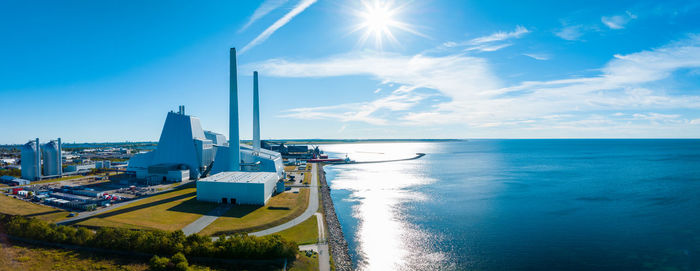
(474, 96)
(359, 112)
(299, 8)
(618, 21)
(488, 48)
(537, 56)
(490, 43)
(695, 121)
(501, 36)
(573, 32)
(265, 8)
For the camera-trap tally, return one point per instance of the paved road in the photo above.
(310, 210)
(204, 221)
(324, 261)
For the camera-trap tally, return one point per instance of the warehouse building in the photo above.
(237, 187)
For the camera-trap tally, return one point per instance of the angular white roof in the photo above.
(241, 177)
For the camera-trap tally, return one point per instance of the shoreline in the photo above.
(336, 240)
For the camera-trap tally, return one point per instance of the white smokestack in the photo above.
(256, 114)
(234, 140)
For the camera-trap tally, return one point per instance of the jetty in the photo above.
(345, 162)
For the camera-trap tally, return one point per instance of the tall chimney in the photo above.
(38, 159)
(234, 163)
(256, 114)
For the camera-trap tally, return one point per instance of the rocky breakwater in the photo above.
(336, 240)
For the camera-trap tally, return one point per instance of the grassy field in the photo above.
(28, 257)
(304, 233)
(307, 177)
(168, 211)
(305, 263)
(246, 218)
(59, 179)
(21, 257)
(13, 206)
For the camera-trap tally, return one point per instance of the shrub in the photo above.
(239, 246)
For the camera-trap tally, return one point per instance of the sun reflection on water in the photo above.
(385, 241)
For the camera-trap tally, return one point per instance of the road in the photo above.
(310, 210)
(204, 221)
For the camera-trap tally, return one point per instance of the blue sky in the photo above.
(95, 71)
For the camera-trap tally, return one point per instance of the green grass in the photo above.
(305, 263)
(13, 206)
(59, 179)
(247, 218)
(168, 211)
(304, 233)
(28, 257)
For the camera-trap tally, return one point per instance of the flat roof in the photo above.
(241, 177)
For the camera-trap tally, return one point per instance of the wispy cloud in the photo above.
(537, 56)
(299, 8)
(265, 8)
(488, 47)
(572, 32)
(472, 94)
(618, 21)
(501, 35)
(490, 43)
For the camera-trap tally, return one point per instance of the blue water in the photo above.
(521, 205)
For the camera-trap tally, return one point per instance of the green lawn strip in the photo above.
(305, 263)
(11, 206)
(247, 218)
(168, 211)
(304, 233)
(59, 179)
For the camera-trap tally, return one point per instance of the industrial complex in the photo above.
(185, 151)
(191, 179)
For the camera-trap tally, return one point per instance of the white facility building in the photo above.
(184, 145)
(236, 187)
(245, 175)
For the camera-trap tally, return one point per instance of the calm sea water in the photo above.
(521, 205)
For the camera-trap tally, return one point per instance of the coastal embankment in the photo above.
(336, 240)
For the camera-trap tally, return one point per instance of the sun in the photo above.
(378, 20)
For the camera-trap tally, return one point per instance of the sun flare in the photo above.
(378, 19)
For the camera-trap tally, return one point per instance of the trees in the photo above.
(240, 246)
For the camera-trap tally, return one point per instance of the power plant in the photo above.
(185, 151)
(33, 168)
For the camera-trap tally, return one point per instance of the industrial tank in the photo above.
(52, 158)
(31, 160)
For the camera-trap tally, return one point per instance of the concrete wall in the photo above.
(244, 193)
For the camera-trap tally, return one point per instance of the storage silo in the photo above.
(52, 158)
(31, 160)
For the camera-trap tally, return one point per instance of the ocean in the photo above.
(598, 204)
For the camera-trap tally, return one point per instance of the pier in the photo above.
(418, 155)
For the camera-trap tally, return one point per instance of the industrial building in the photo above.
(235, 187)
(31, 160)
(247, 175)
(184, 145)
(53, 165)
(80, 168)
(32, 166)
